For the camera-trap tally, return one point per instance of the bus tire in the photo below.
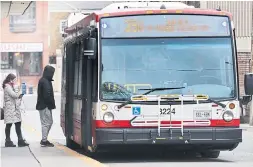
(71, 144)
(90, 154)
(210, 154)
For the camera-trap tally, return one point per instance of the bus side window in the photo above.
(80, 70)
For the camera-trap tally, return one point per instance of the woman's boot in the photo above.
(9, 143)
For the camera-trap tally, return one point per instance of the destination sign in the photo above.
(164, 26)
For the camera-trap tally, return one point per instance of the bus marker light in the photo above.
(224, 24)
(214, 105)
(231, 106)
(106, 14)
(116, 108)
(90, 148)
(164, 11)
(104, 107)
(104, 25)
(148, 12)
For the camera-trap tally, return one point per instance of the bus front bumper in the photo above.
(213, 136)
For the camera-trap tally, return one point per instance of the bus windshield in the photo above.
(201, 65)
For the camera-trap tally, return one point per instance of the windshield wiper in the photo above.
(159, 89)
(149, 91)
(217, 102)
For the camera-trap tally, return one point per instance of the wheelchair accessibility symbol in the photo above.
(136, 110)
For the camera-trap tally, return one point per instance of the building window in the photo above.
(26, 63)
(5, 61)
(196, 4)
(24, 23)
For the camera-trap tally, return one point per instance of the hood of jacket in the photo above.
(48, 72)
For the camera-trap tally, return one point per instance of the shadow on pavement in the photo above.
(145, 157)
(149, 156)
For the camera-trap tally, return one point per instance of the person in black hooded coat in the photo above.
(46, 103)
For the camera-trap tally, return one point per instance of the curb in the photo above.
(87, 160)
(246, 127)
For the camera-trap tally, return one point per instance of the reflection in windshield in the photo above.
(199, 64)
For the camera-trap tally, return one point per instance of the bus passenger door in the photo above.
(69, 87)
(89, 57)
(77, 92)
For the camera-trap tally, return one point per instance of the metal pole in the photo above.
(251, 104)
(182, 115)
(159, 116)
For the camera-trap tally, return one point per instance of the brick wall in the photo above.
(56, 41)
(40, 35)
(54, 31)
(244, 65)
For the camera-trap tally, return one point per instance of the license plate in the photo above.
(202, 115)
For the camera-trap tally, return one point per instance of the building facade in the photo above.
(242, 12)
(56, 20)
(242, 17)
(24, 43)
(55, 38)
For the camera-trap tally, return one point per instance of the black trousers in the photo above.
(18, 131)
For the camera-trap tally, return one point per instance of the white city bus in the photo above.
(149, 76)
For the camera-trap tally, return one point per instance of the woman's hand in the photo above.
(20, 96)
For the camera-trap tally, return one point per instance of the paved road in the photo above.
(242, 156)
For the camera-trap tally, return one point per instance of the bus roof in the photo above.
(96, 16)
(129, 12)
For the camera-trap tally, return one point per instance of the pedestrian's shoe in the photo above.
(9, 143)
(22, 143)
(46, 144)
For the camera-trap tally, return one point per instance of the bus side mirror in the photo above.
(248, 87)
(91, 48)
(248, 84)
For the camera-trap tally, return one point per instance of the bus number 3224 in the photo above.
(167, 111)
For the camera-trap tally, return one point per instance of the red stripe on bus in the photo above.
(127, 124)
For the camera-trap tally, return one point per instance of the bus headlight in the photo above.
(228, 116)
(108, 117)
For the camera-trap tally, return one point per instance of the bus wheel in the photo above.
(89, 153)
(210, 154)
(71, 144)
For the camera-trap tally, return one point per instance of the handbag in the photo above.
(2, 113)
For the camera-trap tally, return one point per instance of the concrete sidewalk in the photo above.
(246, 127)
(37, 156)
